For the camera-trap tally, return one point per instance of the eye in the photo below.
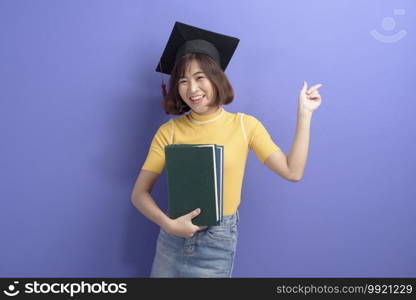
(199, 77)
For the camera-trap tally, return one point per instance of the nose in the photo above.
(193, 87)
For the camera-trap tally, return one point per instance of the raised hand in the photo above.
(309, 99)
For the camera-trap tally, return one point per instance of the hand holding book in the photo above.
(183, 226)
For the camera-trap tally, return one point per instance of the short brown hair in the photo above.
(223, 91)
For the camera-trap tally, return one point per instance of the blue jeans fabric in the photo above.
(209, 253)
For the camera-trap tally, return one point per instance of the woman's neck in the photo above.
(206, 117)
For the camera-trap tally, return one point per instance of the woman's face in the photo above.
(196, 90)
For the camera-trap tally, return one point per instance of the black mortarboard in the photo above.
(186, 39)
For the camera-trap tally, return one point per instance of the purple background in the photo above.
(80, 104)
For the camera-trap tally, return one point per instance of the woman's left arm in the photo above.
(309, 101)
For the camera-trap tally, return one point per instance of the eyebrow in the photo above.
(194, 74)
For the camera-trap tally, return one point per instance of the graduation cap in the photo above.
(186, 39)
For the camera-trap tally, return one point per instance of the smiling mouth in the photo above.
(197, 100)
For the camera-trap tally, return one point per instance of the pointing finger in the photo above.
(314, 88)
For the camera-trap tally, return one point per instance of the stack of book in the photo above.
(195, 180)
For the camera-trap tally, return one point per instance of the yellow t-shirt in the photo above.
(237, 132)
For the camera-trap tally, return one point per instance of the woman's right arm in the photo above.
(143, 201)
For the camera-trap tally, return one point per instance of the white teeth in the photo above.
(196, 98)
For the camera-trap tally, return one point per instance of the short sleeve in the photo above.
(259, 139)
(155, 160)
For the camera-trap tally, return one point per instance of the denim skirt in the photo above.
(209, 253)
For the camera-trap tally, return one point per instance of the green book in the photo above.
(195, 180)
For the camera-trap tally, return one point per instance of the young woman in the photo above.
(198, 85)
